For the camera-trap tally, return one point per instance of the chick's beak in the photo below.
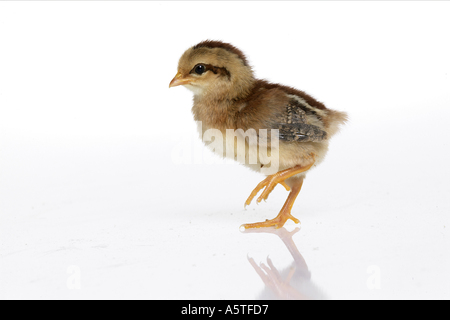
(179, 79)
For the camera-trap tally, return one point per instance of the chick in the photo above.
(228, 97)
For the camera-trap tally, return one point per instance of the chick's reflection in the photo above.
(294, 281)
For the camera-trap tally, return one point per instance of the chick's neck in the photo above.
(222, 111)
(217, 114)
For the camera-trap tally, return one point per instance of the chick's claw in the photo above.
(285, 186)
(269, 188)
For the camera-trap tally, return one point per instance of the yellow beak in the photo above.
(179, 79)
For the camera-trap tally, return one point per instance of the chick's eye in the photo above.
(199, 69)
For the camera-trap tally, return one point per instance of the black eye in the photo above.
(199, 69)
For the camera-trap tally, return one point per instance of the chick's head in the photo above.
(214, 69)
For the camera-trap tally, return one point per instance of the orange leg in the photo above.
(271, 181)
(285, 212)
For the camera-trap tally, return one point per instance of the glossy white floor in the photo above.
(106, 193)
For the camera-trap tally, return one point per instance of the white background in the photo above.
(95, 201)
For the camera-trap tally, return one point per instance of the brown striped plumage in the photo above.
(227, 96)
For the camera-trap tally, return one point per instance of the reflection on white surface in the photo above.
(293, 282)
(95, 221)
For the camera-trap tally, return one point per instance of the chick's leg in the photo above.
(271, 181)
(285, 212)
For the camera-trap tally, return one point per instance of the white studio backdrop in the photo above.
(91, 182)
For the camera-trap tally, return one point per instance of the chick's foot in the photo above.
(277, 222)
(269, 184)
(285, 213)
(271, 181)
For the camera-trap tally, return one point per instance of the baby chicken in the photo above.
(228, 97)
